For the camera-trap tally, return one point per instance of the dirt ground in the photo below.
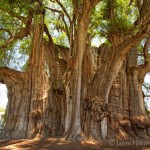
(61, 144)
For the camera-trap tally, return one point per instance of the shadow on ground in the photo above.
(61, 144)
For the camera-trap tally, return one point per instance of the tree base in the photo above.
(130, 128)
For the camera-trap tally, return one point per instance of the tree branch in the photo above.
(7, 72)
(6, 30)
(139, 5)
(94, 3)
(144, 13)
(49, 36)
(146, 54)
(111, 17)
(20, 35)
(66, 27)
(64, 10)
(75, 6)
(131, 41)
(54, 10)
(111, 10)
(66, 30)
(143, 69)
(130, 3)
(146, 95)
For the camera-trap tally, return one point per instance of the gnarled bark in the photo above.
(71, 95)
(129, 119)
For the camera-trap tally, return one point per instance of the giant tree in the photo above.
(27, 91)
(79, 78)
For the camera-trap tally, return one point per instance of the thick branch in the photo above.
(94, 3)
(75, 5)
(144, 13)
(20, 35)
(130, 42)
(146, 54)
(90, 3)
(143, 69)
(111, 17)
(7, 72)
(111, 10)
(84, 8)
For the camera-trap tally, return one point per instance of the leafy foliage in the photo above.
(12, 20)
(20, 7)
(123, 21)
(15, 12)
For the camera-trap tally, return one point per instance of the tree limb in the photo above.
(66, 30)
(54, 10)
(131, 41)
(130, 3)
(48, 34)
(89, 5)
(64, 10)
(146, 54)
(111, 17)
(20, 35)
(94, 3)
(6, 30)
(139, 5)
(111, 10)
(7, 72)
(144, 13)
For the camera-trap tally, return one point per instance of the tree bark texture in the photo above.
(81, 92)
(33, 105)
(128, 119)
(37, 108)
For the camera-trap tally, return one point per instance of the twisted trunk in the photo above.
(29, 107)
(136, 97)
(38, 106)
(128, 118)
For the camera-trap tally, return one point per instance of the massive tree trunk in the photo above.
(18, 104)
(74, 85)
(128, 119)
(28, 91)
(136, 97)
(110, 60)
(38, 104)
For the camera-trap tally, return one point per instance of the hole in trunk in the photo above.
(3, 104)
(146, 91)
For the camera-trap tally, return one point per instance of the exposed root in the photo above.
(131, 128)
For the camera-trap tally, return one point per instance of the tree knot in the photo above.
(98, 109)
